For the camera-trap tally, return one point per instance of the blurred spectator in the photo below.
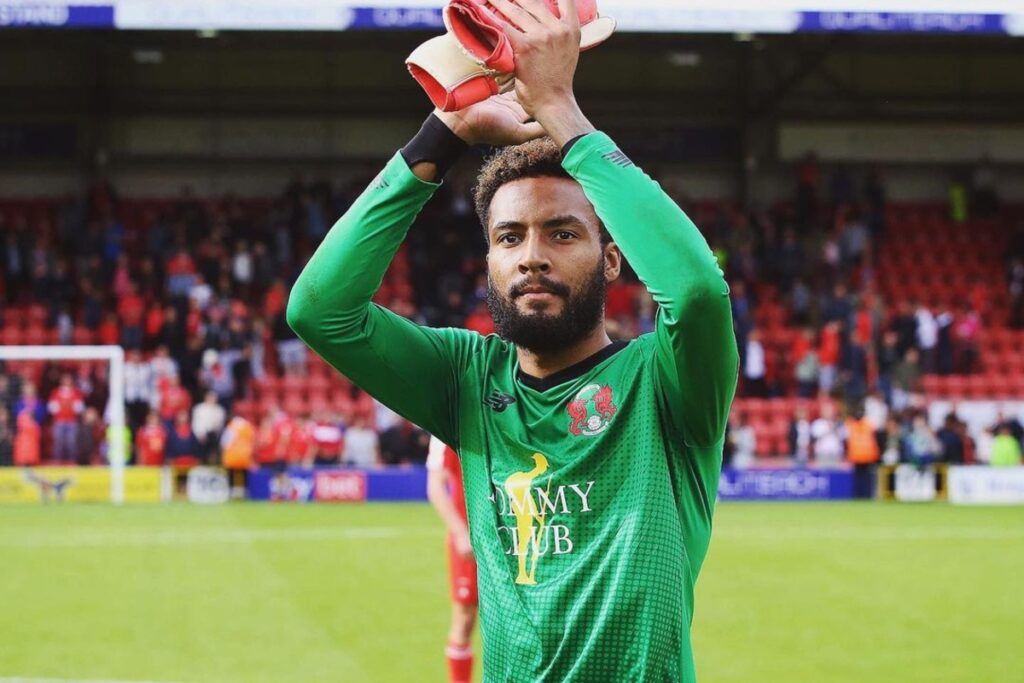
(951, 440)
(163, 367)
(807, 368)
(30, 402)
(944, 358)
(132, 310)
(828, 355)
(927, 337)
(754, 365)
(904, 324)
(404, 444)
(800, 436)
(216, 377)
(301, 449)
(361, 445)
(744, 443)
(208, 420)
(888, 357)
(173, 399)
(876, 410)
(151, 442)
(238, 444)
(65, 405)
(906, 378)
(292, 351)
(138, 388)
(90, 435)
(268, 452)
(892, 452)
(923, 448)
(6, 440)
(328, 438)
(1006, 451)
(1011, 423)
(827, 432)
(26, 440)
(862, 451)
(181, 272)
(183, 448)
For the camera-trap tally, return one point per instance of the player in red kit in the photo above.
(444, 488)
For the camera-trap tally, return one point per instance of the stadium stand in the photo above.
(833, 298)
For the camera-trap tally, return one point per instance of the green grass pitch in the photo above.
(249, 593)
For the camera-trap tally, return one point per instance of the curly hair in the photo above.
(540, 158)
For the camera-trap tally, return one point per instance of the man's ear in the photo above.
(612, 262)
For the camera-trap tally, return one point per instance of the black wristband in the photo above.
(435, 143)
(567, 147)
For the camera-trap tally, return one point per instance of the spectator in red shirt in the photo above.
(181, 270)
(828, 356)
(131, 308)
(328, 437)
(26, 440)
(269, 452)
(151, 442)
(174, 399)
(300, 444)
(110, 332)
(65, 404)
(275, 300)
(154, 324)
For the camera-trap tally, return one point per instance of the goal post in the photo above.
(116, 448)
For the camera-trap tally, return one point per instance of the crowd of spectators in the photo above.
(196, 290)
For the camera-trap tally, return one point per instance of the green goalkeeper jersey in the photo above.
(590, 493)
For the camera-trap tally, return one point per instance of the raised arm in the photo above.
(696, 347)
(411, 369)
(696, 350)
(414, 370)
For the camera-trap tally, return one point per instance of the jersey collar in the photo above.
(571, 372)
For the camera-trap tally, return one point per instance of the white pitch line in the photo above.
(73, 539)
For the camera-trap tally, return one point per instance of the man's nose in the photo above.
(535, 257)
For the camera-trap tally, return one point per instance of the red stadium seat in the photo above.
(12, 335)
(82, 336)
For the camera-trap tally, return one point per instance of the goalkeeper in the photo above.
(590, 467)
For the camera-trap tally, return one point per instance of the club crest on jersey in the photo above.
(592, 410)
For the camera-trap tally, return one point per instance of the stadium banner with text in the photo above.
(727, 16)
(986, 485)
(792, 484)
(80, 485)
(339, 485)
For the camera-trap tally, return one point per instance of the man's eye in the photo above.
(564, 235)
(508, 238)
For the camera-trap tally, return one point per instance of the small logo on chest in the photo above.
(499, 401)
(592, 410)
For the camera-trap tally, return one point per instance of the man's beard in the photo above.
(540, 332)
